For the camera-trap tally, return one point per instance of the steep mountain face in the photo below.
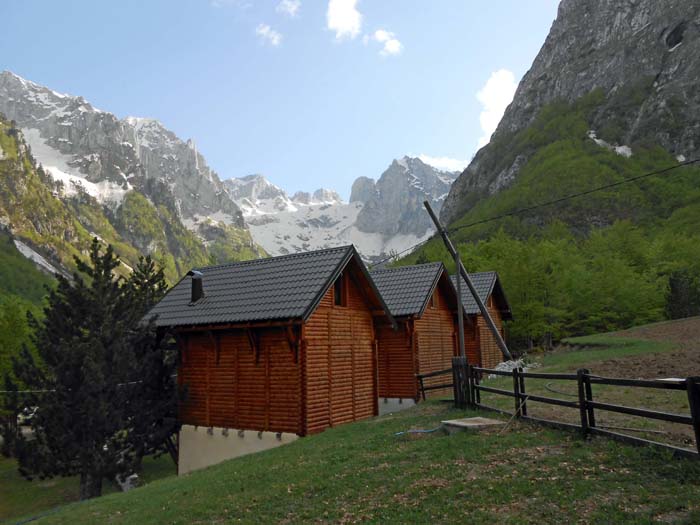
(580, 200)
(638, 56)
(73, 171)
(382, 217)
(81, 145)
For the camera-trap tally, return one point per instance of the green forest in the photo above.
(604, 261)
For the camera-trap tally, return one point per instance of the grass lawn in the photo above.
(364, 472)
(611, 356)
(19, 497)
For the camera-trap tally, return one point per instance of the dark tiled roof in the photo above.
(406, 289)
(483, 282)
(286, 287)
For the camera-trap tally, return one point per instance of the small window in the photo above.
(433, 300)
(339, 291)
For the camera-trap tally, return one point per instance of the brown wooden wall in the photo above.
(397, 361)
(339, 364)
(490, 352)
(436, 345)
(228, 388)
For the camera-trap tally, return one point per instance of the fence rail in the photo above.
(467, 387)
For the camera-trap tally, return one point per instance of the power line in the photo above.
(574, 195)
(540, 205)
(395, 255)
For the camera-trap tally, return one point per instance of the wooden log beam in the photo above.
(463, 272)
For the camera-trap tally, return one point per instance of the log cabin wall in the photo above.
(471, 341)
(490, 352)
(229, 386)
(397, 361)
(339, 361)
(436, 344)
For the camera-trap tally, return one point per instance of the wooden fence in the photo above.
(467, 387)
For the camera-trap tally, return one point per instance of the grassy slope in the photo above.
(363, 471)
(30, 498)
(18, 275)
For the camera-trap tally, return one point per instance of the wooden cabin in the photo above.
(480, 344)
(283, 347)
(423, 301)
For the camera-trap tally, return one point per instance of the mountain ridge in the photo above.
(159, 196)
(388, 218)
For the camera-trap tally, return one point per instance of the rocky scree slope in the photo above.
(639, 56)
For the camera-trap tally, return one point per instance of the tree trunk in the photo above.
(90, 486)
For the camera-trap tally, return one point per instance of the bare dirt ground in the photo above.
(682, 362)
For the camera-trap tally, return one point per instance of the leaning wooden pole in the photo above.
(460, 312)
(463, 272)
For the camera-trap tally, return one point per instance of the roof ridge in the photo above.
(477, 273)
(346, 247)
(383, 270)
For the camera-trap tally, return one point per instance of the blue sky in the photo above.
(310, 93)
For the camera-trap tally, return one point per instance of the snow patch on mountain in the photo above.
(57, 165)
(623, 151)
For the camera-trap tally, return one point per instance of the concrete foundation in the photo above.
(387, 405)
(201, 447)
(470, 423)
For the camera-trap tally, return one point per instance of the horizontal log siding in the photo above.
(396, 361)
(490, 352)
(436, 341)
(236, 392)
(339, 361)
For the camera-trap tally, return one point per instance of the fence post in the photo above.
(589, 397)
(458, 381)
(470, 378)
(582, 400)
(455, 383)
(477, 392)
(693, 385)
(516, 391)
(466, 384)
(523, 404)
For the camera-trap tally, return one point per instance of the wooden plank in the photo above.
(652, 414)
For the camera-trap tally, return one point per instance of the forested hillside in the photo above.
(626, 255)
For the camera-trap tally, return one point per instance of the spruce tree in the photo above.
(95, 361)
(155, 395)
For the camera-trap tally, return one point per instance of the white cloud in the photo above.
(391, 44)
(268, 34)
(289, 7)
(495, 96)
(444, 163)
(344, 18)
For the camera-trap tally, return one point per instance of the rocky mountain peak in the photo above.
(253, 187)
(326, 196)
(394, 204)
